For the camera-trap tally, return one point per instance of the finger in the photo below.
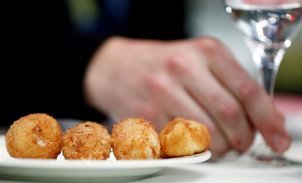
(256, 103)
(179, 104)
(222, 107)
(184, 105)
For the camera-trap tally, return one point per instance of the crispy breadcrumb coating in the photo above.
(87, 140)
(135, 138)
(36, 135)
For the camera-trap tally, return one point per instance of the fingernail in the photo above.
(281, 143)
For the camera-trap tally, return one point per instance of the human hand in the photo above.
(196, 79)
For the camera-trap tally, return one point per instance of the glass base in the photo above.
(263, 154)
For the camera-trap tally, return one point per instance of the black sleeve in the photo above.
(43, 57)
(43, 62)
(157, 19)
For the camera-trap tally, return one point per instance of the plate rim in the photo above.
(103, 164)
(61, 169)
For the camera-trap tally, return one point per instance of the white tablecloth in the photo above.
(228, 173)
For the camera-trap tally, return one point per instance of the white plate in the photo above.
(84, 170)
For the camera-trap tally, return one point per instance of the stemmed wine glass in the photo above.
(268, 27)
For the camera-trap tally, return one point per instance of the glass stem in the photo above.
(267, 60)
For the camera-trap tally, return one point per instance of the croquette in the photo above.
(183, 137)
(86, 140)
(135, 138)
(36, 135)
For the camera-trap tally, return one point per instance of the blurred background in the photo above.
(210, 18)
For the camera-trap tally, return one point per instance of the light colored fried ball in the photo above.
(35, 135)
(87, 140)
(135, 138)
(182, 137)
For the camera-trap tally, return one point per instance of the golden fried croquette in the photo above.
(182, 137)
(34, 136)
(135, 138)
(87, 140)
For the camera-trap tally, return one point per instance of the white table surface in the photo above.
(228, 173)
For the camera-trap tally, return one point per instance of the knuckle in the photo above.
(229, 112)
(176, 61)
(179, 63)
(209, 44)
(159, 84)
(248, 89)
(241, 144)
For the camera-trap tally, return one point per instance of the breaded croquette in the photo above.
(135, 138)
(34, 136)
(87, 140)
(182, 137)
